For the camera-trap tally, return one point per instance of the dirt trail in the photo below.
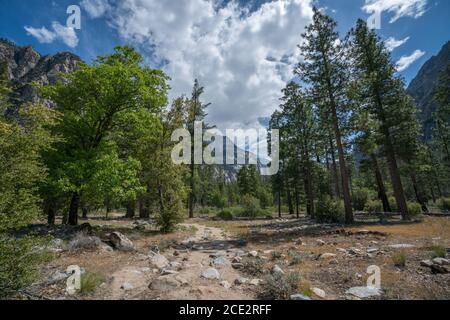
(182, 277)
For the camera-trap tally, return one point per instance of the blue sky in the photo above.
(242, 51)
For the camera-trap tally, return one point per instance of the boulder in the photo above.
(319, 292)
(441, 261)
(211, 273)
(220, 262)
(253, 254)
(127, 286)
(364, 292)
(276, 269)
(120, 242)
(159, 261)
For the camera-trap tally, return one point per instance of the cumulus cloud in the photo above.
(392, 43)
(95, 8)
(400, 8)
(43, 35)
(242, 57)
(406, 61)
(59, 32)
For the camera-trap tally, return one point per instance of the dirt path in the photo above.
(179, 273)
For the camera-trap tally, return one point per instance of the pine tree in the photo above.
(325, 70)
(382, 94)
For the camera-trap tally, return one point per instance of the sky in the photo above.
(242, 52)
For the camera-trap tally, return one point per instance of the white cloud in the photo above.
(96, 8)
(43, 35)
(242, 58)
(404, 62)
(60, 32)
(392, 43)
(400, 8)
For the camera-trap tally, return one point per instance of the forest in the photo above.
(97, 146)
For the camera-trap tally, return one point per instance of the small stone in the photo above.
(181, 280)
(276, 269)
(364, 292)
(253, 254)
(237, 265)
(241, 280)
(164, 283)
(438, 269)
(220, 262)
(327, 255)
(255, 282)
(319, 292)
(166, 272)
(174, 265)
(372, 250)
(320, 242)
(211, 273)
(354, 251)
(341, 250)
(225, 284)
(401, 246)
(236, 259)
(299, 296)
(127, 286)
(159, 261)
(58, 276)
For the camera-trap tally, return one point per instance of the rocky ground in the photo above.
(207, 259)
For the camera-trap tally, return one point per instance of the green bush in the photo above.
(279, 286)
(374, 206)
(360, 198)
(219, 200)
(399, 259)
(265, 198)
(438, 251)
(19, 259)
(251, 207)
(253, 266)
(414, 209)
(444, 204)
(225, 215)
(393, 204)
(90, 283)
(204, 211)
(329, 210)
(294, 258)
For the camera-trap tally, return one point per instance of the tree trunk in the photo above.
(418, 193)
(381, 189)
(296, 202)
(396, 182)
(50, 212)
(279, 204)
(130, 210)
(73, 209)
(191, 192)
(289, 198)
(85, 212)
(343, 167)
(335, 170)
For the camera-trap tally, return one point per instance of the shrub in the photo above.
(90, 282)
(393, 204)
(399, 259)
(444, 204)
(252, 266)
(438, 251)
(204, 211)
(19, 260)
(279, 286)
(251, 207)
(276, 255)
(265, 198)
(294, 258)
(360, 198)
(414, 209)
(374, 206)
(329, 210)
(219, 200)
(225, 215)
(82, 241)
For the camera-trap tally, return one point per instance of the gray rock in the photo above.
(127, 286)
(426, 263)
(253, 254)
(255, 282)
(441, 261)
(364, 292)
(220, 262)
(120, 242)
(165, 283)
(58, 276)
(166, 272)
(299, 296)
(327, 255)
(211, 273)
(438, 269)
(159, 261)
(320, 242)
(276, 269)
(241, 280)
(401, 246)
(372, 250)
(225, 284)
(319, 292)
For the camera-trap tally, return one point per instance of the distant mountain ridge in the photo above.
(25, 65)
(423, 85)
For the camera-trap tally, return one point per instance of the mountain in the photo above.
(25, 66)
(422, 87)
